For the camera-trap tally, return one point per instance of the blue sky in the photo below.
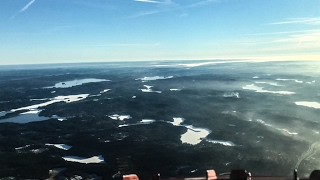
(56, 31)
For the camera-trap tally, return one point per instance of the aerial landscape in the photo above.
(175, 118)
(101, 88)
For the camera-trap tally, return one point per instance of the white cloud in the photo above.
(169, 5)
(121, 45)
(284, 32)
(147, 1)
(201, 3)
(145, 13)
(310, 38)
(135, 44)
(309, 21)
(304, 38)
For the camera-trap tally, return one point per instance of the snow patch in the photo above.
(295, 80)
(225, 143)
(94, 159)
(143, 121)
(260, 89)
(32, 112)
(148, 89)
(177, 121)
(231, 94)
(22, 147)
(77, 82)
(67, 99)
(60, 146)
(119, 117)
(315, 105)
(147, 121)
(144, 79)
(270, 83)
(311, 82)
(106, 90)
(194, 135)
(123, 125)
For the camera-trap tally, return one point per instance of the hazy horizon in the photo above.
(235, 60)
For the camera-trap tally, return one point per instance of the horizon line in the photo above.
(243, 59)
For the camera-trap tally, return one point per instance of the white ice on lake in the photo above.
(147, 121)
(76, 82)
(270, 83)
(119, 117)
(67, 99)
(225, 143)
(143, 121)
(43, 99)
(148, 89)
(123, 125)
(60, 146)
(260, 89)
(311, 82)
(295, 80)
(106, 90)
(315, 105)
(154, 78)
(94, 159)
(231, 94)
(177, 121)
(32, 112)
(175, 89)
(194, 135)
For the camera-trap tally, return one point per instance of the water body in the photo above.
(32, 113)
(24, 118)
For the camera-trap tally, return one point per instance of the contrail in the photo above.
(23, 9)
(26, 6)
